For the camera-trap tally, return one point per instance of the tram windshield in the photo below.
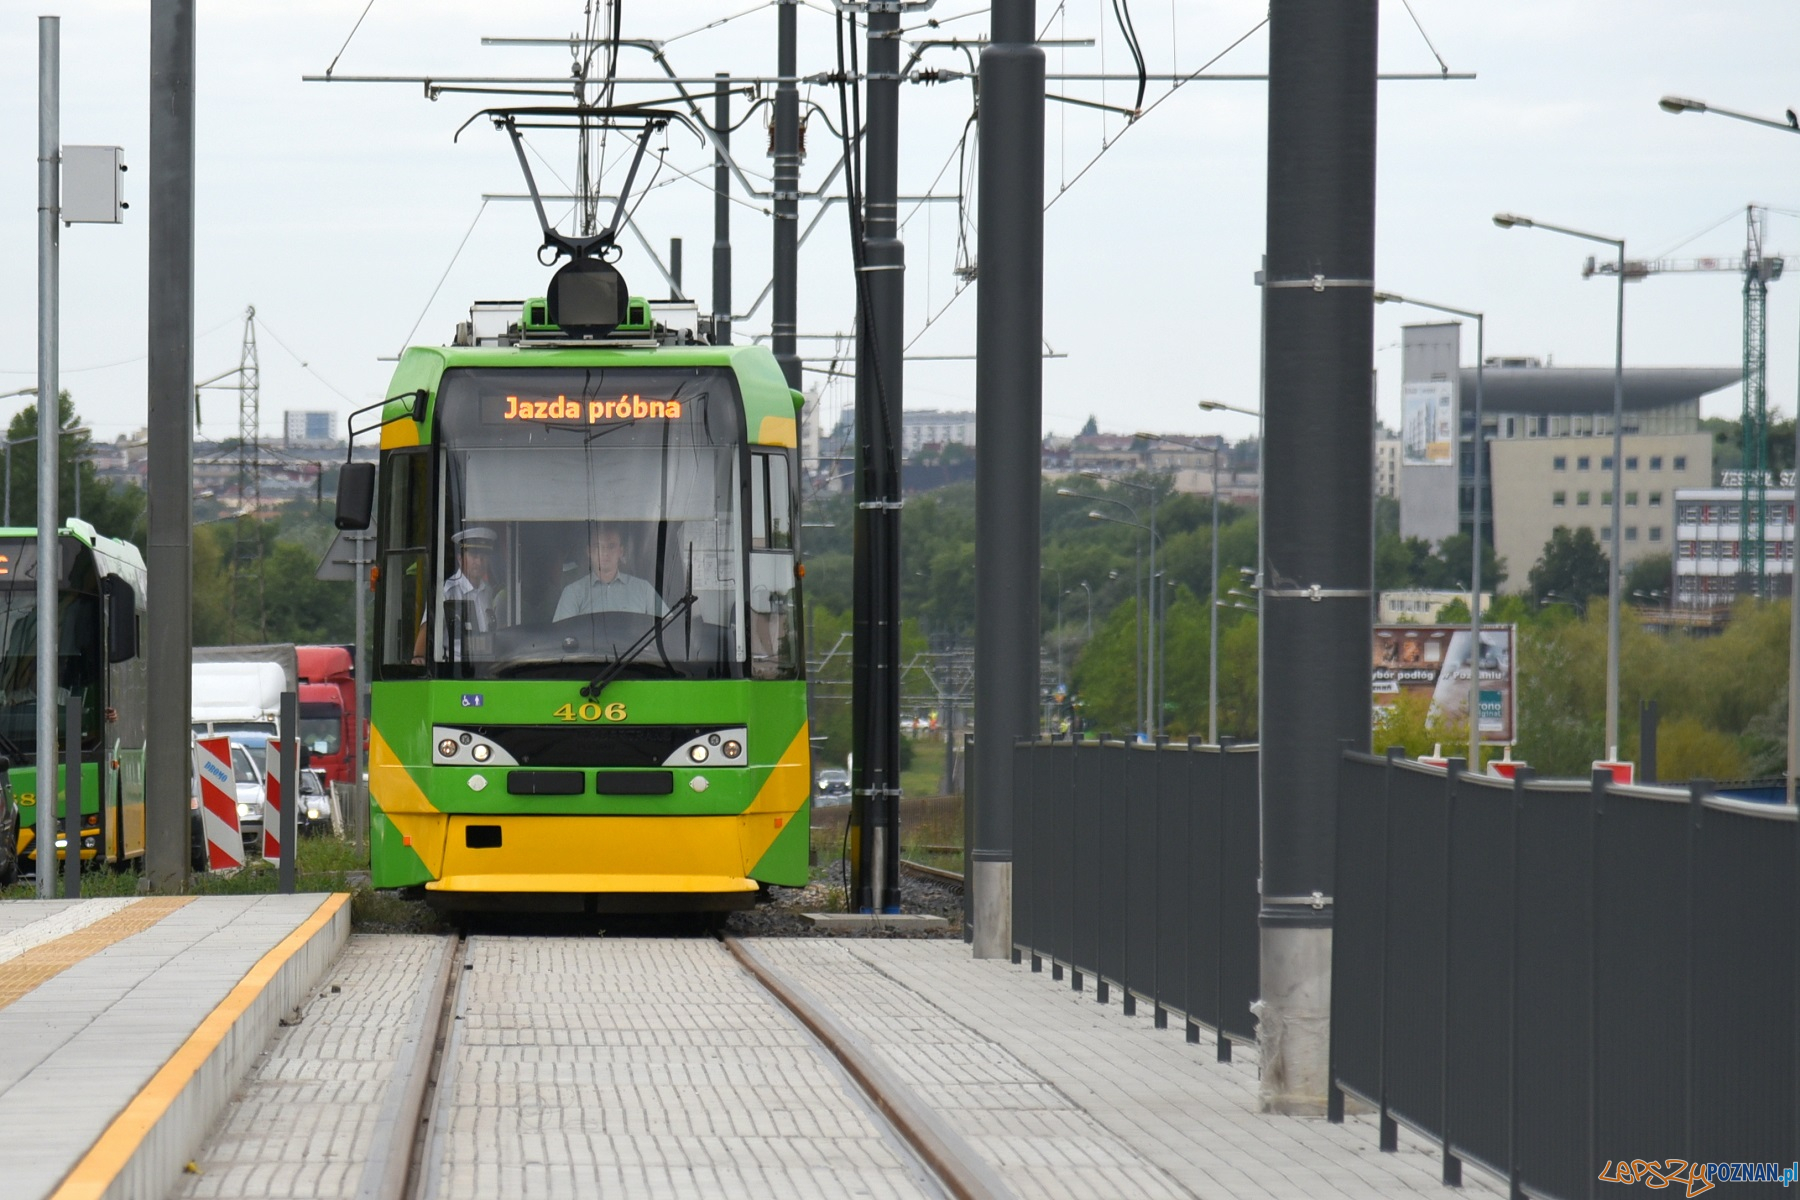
(585, 517)
(78, 632)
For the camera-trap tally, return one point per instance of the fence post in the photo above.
(1334, 1095)
(1389, 1130)
(1698, 789)
(1597, 784)
(1223, 1043)
(1191, 1025)
(1452, 1166)
(1515, 1188)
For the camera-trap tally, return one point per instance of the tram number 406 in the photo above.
(590, 712)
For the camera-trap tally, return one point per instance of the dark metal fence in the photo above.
(1135, 867)
(1548, 978)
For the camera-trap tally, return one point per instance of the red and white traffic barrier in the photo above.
(218, 803)
(272, 802)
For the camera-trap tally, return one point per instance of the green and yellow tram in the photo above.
(589, 688)
(100, 607)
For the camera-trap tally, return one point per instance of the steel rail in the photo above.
(963, 1172)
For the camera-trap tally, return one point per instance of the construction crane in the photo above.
(1759, 271)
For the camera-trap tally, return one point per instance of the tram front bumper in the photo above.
(677, 858)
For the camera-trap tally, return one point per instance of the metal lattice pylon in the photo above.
(247, 545)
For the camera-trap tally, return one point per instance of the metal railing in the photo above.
(1550, 977)
(1136, 866)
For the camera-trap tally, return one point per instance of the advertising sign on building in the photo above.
(1428, 424)
(1433, 660)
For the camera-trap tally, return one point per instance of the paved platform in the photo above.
(658, 1067)
(1069, 1098)
(125, 1025)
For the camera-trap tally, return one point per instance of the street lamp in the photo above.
(1212, 610)
(1679, 105)
(1615, 538)
(1220, 405)
(6, 504)
(1475, 523)
(1152, 725)
(1137, 596)
(1153, 686)
(1089, 592)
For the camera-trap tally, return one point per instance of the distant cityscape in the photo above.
(1548, 463)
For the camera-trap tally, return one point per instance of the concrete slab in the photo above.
(889, 922)
(1069, 1098)
(325, 1111)
(113, 1069)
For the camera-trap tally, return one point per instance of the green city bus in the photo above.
(100, 607)
(589, 687)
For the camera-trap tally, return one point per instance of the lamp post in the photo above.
(6, 504)
(1089, 593)
(1153, 685)
(1137, 596)
(1475, 522)
(1679, 105)
(1212, 652)
(1151, 726)
(1615, 539)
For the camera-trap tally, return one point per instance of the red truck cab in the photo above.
(328, 717)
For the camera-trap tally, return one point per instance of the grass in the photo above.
(926, 775)
(323, 864)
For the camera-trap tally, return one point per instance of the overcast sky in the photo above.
(336, 209)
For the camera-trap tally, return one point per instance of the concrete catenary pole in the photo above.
(1318, 492)
(783, 329)
(49, 421)
(875, 699)
(170, 378)
(1009, 366)
(721, 280)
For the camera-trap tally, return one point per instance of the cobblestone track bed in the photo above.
(640, 1066)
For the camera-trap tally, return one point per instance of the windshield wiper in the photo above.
(613, 669)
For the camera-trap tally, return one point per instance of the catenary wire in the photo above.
(346, 45)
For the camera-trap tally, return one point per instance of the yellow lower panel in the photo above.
(595, 884)
(596, 854)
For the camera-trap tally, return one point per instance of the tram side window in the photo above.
(405, 538)
(774, 610)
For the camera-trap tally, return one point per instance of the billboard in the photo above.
(1428, 424)
(1434, 660)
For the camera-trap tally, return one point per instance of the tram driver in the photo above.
(607, 588)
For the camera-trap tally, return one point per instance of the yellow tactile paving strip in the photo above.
(20, 976)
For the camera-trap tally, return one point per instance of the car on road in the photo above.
(248, 777)
(313, 813)
(834, 787)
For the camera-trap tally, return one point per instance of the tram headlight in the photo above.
(481, 753)
(699, 753)
(448, 747)
(733, 749)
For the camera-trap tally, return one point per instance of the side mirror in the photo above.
(121, 619)
(355, 495)
(419, 400)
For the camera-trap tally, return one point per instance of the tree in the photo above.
(1573, 567)
(116, 511)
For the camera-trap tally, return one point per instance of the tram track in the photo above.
(961, 1172)
(936, 874)
(409, 1167)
